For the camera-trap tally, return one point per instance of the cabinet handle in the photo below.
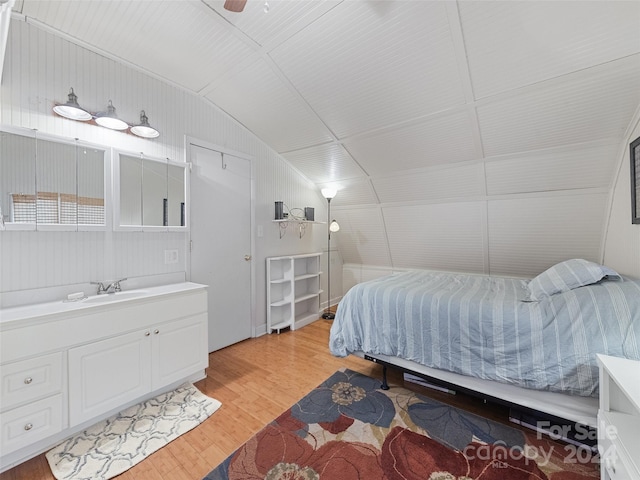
(156, 331)
(28, 426)
(28, 380)
(146, 334)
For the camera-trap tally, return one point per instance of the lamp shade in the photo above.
(72, 110)
(329, 192)
(144, 129)
(109, 119)
(333, 226)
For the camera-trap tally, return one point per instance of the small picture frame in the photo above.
(635, 180)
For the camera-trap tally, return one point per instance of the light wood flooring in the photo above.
(256, 380)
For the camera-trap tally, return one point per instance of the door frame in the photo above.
(188, 141)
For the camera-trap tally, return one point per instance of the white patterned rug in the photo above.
(116, 444)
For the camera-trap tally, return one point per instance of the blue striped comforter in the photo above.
(484, 327)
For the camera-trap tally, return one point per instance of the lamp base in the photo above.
(328, 315)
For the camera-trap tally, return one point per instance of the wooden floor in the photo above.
(255, 380)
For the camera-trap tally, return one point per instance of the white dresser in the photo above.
(619, 418)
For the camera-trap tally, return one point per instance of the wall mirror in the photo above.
(51, 184)
(151, 193)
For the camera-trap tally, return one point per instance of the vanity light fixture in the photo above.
(72, 110)
(109, 119)
(144, 129)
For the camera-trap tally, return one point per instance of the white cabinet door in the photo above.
(179, 349)
(107, 374)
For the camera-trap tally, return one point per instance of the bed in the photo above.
(529, 343)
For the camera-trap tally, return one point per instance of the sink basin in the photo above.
(112, 297)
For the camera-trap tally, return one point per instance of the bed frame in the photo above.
(561, 408)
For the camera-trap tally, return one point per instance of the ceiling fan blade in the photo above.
(235, 5)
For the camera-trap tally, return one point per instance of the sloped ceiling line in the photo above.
(453, 14)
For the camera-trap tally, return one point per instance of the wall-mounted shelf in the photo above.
(301, 224)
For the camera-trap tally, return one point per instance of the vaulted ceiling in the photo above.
(456, 131)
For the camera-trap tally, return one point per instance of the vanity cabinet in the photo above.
(32, 395)
(106, 374)
(71, 365)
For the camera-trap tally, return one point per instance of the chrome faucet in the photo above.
(113, 287)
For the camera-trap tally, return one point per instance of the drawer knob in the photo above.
(146, 334)
(156, 331)
(28, 380)
(28, 426)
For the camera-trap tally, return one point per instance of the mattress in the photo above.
(487, 327)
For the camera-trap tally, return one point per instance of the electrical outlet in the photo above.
(170, 256)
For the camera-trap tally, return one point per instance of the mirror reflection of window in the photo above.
(91, 204)
(50, 184)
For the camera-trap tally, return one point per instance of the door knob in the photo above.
(247, 257)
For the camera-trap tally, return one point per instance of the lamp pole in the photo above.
(332, 226)
(328, 314)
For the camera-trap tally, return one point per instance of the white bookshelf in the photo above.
(293, 291)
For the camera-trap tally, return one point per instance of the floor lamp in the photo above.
(329, 193)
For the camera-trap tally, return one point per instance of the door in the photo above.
(221, 241)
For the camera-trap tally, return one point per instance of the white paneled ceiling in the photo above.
(407, 106)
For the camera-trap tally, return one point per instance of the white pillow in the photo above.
(566, 276)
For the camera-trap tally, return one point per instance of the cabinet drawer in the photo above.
(614, 467)
(30, 379)
(30, 423)
(612, 461)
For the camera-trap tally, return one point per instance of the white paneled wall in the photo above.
(50, 259)
(362, 236)
(528, 235)
(471, 217)
(579, 166)
(432, 185)
(445, 236)
(38, 71)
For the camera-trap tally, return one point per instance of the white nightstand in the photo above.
(619, 418)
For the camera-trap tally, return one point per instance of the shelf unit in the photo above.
(293, 291)
(619, 418)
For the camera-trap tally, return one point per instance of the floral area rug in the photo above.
(347, 429)
(116, 444)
